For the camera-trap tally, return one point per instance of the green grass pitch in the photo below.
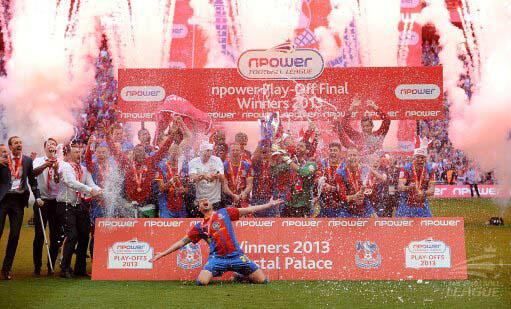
(489, 284)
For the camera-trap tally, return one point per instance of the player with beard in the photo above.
(416, 182)
(329, 199)
(352, 190)
(224, 252)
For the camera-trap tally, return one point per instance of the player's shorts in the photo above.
(238, 263)
(166, 213)
(346, 213)
(413, 212)
(331, 213)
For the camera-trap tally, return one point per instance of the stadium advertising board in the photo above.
(290, 249)
(459, 191)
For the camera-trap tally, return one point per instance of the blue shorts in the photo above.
(413, 212)
(368, 212)
(331, 213)
(166, 213)
(238, 263)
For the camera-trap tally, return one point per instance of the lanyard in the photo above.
(15, 170)
(418, 180)
(78, 174)
(235, 180)
(354, 178)
(139, 175)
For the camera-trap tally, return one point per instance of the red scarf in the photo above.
(355, 183)
(331, 172)
(139, 176)
(50, 179)
(236, 181)
(413, 198)
(78, 174)
(354, 179)
(15, 169)
(174, 200)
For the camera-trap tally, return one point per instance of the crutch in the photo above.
(45, 239)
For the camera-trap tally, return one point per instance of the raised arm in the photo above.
(385, 125)
(39, 169)
(187, 134)
(253, 209)
(248, 189)
(162, 151)
(117, 153)
(69, 179)
(175, 246)
(345, 140)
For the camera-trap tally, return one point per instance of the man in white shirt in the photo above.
(75, 183)
(46, 171)
(207, 173)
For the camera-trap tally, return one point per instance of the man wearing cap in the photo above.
(207, 173)
(416, 184)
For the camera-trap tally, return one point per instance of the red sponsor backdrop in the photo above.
(290, 249)
(450, 191)
(409, 54)
(226, 96)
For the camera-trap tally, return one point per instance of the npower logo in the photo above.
(281, 62)
(143, 93)
(417, 91)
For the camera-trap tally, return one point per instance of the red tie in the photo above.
(16, 171)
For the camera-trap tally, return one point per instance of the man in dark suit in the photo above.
(15, 179)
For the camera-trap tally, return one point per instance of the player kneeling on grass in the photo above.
(224, 251)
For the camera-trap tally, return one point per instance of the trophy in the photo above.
(269, 126)
(316, 209)
(365, 181)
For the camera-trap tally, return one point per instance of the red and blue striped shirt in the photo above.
(218, 232)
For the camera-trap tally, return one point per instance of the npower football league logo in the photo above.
(282, 62)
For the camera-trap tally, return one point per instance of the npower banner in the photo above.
(296, 85)
(460, 191)
(290, 249)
